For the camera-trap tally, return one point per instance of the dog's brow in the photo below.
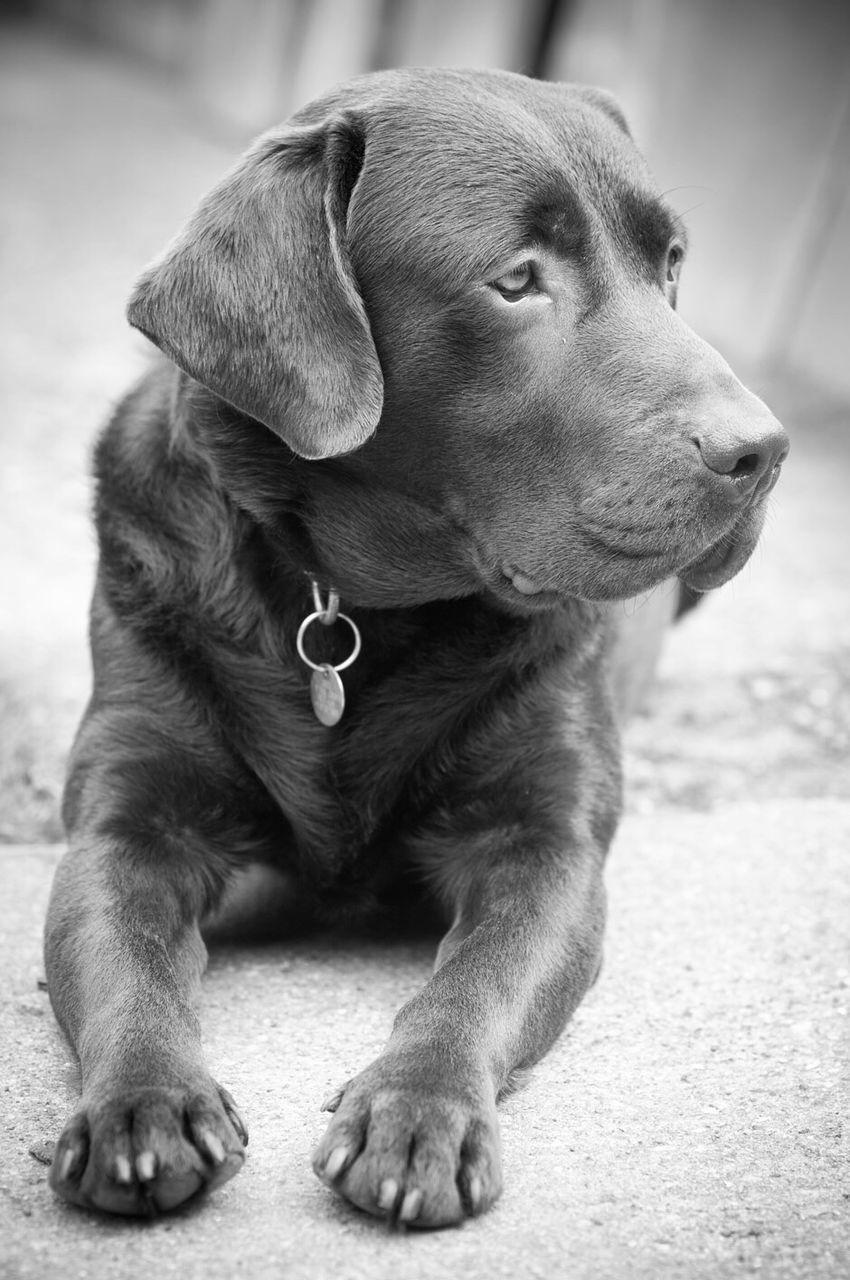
(558, 219)
(650, 224)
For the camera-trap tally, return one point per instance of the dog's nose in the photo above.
(744, 462)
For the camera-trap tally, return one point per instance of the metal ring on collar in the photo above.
(318, 617)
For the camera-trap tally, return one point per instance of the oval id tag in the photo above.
(327, 694)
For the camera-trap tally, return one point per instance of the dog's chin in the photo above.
(725, 557)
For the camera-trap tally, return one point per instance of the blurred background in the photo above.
(117, 115)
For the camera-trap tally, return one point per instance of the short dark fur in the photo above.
(358, 397)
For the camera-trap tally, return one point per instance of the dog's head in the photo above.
(451, 296)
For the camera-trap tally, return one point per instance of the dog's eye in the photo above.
(515, 284)
(675, 254)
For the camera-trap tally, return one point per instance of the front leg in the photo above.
(124, 958)
(148, 859)
(415, 1136)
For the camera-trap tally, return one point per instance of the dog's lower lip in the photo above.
(714, 567)
(720, 561)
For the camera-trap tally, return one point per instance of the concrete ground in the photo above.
(693, 1120)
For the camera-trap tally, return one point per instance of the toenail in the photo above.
(475, 1191)
(146, 1166)
(67, 1163)
(214, 1147)
(388, 1194)
(123, 1169)
(411, 1205)
(336, 1162)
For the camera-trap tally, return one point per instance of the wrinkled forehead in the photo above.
(475, 170)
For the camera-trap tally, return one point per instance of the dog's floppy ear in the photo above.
(256, 298)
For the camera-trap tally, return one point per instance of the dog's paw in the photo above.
(412, 1150)
(148, 1150)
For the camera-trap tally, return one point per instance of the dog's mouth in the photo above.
(624, 573)
(713, 567)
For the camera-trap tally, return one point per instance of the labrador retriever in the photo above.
(425, 414)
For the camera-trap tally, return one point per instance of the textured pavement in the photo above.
(690, 1122)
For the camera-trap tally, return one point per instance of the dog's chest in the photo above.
(412, 697)
(340, 785)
